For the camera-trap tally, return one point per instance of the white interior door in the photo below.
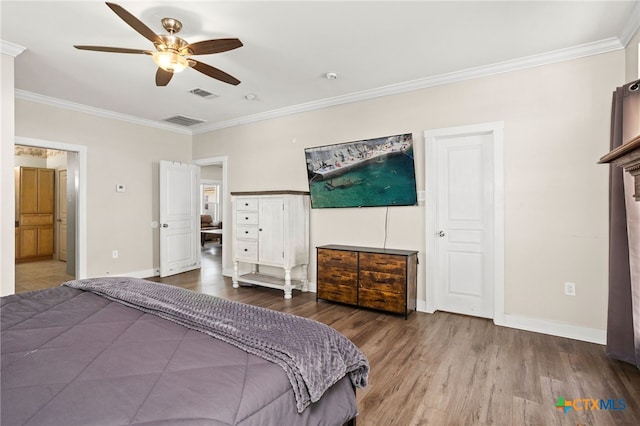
(179, 218)
(463, 228)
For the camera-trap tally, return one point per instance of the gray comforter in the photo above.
(74, 358)
(313, 355)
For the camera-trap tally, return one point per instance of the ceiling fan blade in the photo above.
(113, 49)
(214, 72)
(135, 23)
(163, 77)
(207, 47)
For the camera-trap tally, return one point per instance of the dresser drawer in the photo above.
(379, 281)
(339, 293)
(247, 204)
(332, 275)
(339, 258)
(247, 233)
(392, 302)
(247, 250)
(247, 218)
(386, 263)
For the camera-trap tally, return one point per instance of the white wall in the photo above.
(556, 128)
(117, 153)
(7, 186)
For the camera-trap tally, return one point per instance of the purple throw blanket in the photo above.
(314, 355)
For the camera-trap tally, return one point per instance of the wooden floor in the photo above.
(447, 369)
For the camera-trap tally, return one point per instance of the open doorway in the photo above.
(44, 238)
(52, 249)
(214, 196)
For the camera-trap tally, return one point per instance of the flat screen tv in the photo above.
(366, 173)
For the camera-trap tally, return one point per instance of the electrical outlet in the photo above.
(569, 289)
(114, 254)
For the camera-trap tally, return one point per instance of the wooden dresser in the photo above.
(384, 279)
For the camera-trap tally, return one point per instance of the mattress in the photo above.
(72, 357)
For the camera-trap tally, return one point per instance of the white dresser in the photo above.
(271, 229)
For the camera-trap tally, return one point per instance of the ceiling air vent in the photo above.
(203, 93)
(183, 120)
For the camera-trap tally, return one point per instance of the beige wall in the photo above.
(7, 213)
(118, 152)
(211, 173)
(556, 126)
(632, 61)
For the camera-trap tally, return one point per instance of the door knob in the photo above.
(441, 234)
(165, 225)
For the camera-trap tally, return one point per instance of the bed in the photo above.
(124, 351)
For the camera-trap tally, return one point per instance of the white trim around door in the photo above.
(432, 137)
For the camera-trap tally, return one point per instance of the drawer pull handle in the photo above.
(246, 249)
(246, 204)
(246, 232)
(246, 218)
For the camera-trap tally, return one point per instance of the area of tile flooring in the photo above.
(41, 274)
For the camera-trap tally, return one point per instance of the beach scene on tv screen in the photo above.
(366, 173)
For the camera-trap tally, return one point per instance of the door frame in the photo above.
(226, 214)
(81, 197)
(431, 138)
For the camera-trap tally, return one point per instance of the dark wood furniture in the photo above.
(383, 279)
(627, 156)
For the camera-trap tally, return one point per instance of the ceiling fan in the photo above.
(172, 53)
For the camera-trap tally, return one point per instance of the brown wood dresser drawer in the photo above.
(339, 258)
(383, 263)
(386, 301)
(339, 293)
(333, 275)
(380, 281)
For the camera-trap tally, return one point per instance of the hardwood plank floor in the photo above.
(448, 369)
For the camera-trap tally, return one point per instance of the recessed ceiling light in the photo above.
(331, 75)
(250, 97)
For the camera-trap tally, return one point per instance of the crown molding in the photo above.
(631, 27)
(30, 96)
(11, 49)
(576, 52)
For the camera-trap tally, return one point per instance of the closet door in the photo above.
(271, 231)
(45, 191)
(28, 190)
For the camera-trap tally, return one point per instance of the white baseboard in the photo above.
(552, 328)
(140, 274)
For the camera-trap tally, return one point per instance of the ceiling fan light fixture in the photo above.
(170, 61)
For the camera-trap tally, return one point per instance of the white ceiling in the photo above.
(375, 48)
